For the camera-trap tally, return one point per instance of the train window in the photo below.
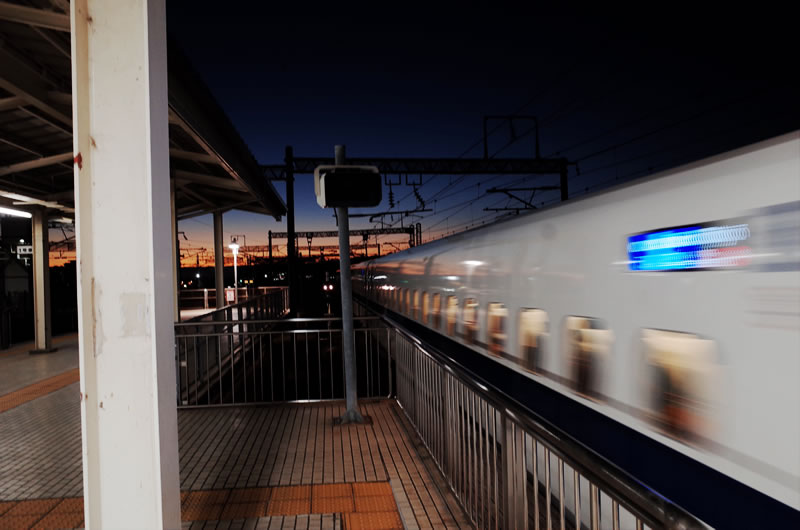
(452, 315)
(470, 320)
(681, 373)
(399, 299)
(533, 328)
(437, 310)
(497, 328)
(407, 302)
(425, 307)
(588, 342)
(415, 305)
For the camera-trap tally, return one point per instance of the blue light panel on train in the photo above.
(657, 251)
(706, 246)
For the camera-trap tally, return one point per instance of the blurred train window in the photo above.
(437, 310)
(425, 307)
(533, 328)
(681, 374)
(407, 302)
(497, 328)
(470, 320)
(415, 305)
(400, 308)
(452, 315)
(588, 341)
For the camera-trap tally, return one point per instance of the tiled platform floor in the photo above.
(19, 368)
(363, 505)
(241, 447)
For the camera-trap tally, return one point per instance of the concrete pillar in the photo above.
(41, 283)
(219, 261)
(126, 333)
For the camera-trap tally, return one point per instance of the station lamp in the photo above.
(234, 246)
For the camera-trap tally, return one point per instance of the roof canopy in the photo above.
(211, 166)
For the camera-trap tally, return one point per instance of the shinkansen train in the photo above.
(657, 323)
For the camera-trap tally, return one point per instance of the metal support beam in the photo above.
(34, 164)
(126, 333)
(11, 103)
(41, 283)
(32, 16)
(433, 166)
(22, 80)
(208, 180)
(360, 232)
(194, 156)
(219, 261)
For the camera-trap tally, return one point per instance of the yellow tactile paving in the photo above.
(373, 521)
(289, 507)
(19, 521)
(375, 510)
(204, 505)
(70, 505)
(6, 505)
(247, 495)
(332, 490)
(60, 520)
(243, 510)
(36, 507)
(367, 489)
(376, 503)
(332, 505)
(287, 493)
(44, 387)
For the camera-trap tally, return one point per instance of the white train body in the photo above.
(723, 325)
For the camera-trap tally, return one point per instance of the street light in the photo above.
(235, 248)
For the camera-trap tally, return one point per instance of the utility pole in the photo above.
(351, 415)
(291, 258)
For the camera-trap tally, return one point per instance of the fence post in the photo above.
(508, 473)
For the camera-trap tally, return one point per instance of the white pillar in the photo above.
(219, 261)
(41, 283)
(176, 255)
(127, 360)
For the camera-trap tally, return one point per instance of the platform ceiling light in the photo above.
(15, 213)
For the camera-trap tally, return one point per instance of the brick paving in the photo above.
(243, 455)
(38, 389)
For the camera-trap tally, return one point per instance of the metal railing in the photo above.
(262, 361)
(273, 302)
(508, 470)
(206, 298)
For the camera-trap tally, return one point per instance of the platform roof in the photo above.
(211, 166)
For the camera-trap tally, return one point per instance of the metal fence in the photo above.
(206, 298)
(509, 471)
(261, 361)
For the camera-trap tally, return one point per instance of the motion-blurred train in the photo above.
(658, 323)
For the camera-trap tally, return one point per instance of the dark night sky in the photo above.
(623, 96)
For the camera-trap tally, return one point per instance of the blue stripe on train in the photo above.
(714, 497)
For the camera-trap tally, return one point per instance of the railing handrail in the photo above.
(650, 506)
(186, 323)
(267, 332)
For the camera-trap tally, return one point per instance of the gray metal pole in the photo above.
(291, 258)
(352, 415)
(219, 262)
